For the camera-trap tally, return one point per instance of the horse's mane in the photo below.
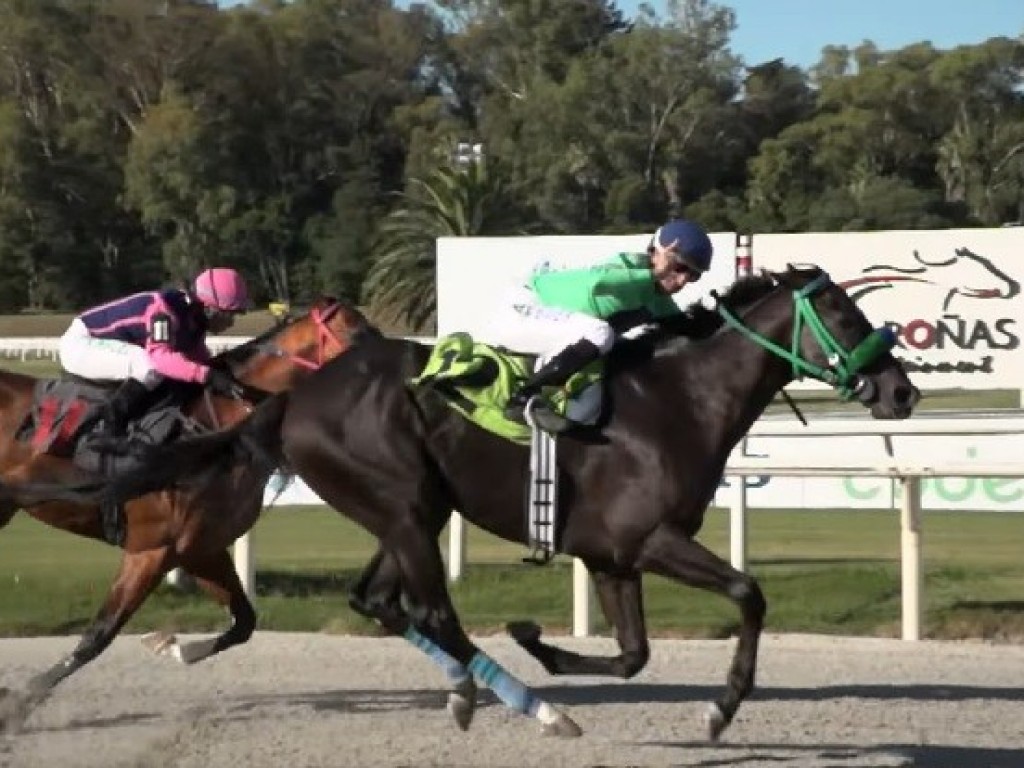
(740, 295)
(737, 298)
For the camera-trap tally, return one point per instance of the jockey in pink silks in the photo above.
(146, 337)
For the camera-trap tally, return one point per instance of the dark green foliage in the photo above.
(298, 141)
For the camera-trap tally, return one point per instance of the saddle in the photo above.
(477, 380)
(68, 411)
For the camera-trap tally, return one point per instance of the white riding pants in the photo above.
(522, 324)
(106, 359)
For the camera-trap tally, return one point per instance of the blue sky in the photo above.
(797, 30)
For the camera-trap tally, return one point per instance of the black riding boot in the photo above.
(556, 372)
(127, 402)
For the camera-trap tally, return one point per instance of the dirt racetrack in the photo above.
(294, 700)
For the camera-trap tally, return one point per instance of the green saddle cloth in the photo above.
(477, 380)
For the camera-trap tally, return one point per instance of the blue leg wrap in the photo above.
(456, 672)
(513, 693)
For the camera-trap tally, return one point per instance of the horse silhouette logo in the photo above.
(965, 275)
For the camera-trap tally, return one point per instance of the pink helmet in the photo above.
(223, 289)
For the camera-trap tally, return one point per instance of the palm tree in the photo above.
(465, 200)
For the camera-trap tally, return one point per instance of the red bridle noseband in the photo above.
(324, 334)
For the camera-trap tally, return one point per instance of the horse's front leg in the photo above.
(217, 576)
(621, 598)
(139, 574)
(670, 552)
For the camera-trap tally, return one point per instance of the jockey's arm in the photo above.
(695, 325)
(665, 315)
(622, 290)
(171, 363)
(165, 356)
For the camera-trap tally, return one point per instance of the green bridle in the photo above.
(843, 366)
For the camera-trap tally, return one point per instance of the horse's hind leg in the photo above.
(139, 574)
(670, 552)
(621, 598)
(217, 576)
(436, 625)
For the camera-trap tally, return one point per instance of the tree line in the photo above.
(322, 145)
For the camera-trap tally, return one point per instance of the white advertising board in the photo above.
(953, 296)
(952, 493)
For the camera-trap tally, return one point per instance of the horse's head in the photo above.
(294, 347)
(811, 322)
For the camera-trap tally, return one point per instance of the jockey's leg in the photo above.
(530, 327)
(558, 370)
(128, 402)
(109, 359)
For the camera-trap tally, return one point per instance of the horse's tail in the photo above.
(186, 463)
(192, 461)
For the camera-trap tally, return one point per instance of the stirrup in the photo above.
(539, 556)
(539, 413)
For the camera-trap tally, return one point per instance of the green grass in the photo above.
(829, 572)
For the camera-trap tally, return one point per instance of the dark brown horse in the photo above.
(186, 529)
(634, 494)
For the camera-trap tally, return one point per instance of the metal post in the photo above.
(744, 255)
(245, 563)
(582, 596)
(910, 538)
(456, 546)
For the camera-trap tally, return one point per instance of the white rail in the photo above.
(46, 347)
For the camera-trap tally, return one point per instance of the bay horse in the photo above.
(189, 529)
(634, 492)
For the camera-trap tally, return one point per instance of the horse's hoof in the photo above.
(190, 653)
(714, 721)
(159, 643)
(524, 632)
(562, 726)
(462, 703)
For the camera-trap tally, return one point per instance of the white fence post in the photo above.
(456, 546)
(738, 525)
(582, 597)
(910, 538)
(245, 563)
